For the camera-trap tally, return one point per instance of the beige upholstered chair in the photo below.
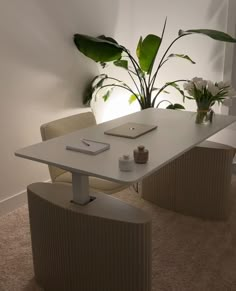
(66, 125)
(197, 183)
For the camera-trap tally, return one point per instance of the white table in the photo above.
(177, 133)
(93, 240)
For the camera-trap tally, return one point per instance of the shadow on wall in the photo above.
(215, 8)
(217, 11)
(234, 65)
(37, 46)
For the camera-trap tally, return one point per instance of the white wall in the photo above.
(42, 75)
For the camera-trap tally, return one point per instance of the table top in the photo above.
(177, 132)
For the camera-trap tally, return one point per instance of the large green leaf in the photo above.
(147, 50)
(181, 56)
(215, 34)
(98, 49)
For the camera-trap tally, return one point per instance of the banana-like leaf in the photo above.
(181, 56)
(175, 106)
(147, 50)
(215, 34)
(121, 63)
(132, 98)
(89, 91)
(97, 48)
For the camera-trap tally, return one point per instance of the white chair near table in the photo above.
(66, 125)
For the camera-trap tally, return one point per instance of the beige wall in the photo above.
(42, 75)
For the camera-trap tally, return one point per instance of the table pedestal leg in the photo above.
(80, 185)
(103, 246)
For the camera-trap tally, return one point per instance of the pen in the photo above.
(85, 142)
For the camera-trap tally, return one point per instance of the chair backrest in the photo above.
(63, 126)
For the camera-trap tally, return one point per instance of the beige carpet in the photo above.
(188, 253)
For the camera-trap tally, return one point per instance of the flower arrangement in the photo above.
(206, 93)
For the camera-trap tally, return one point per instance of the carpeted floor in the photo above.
(188, 253)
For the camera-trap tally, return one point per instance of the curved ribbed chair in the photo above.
(66, 125)
(104, 245)
(198, 183)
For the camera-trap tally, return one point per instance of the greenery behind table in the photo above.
(141, 66)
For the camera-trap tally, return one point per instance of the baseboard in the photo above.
(9, 204)
(15, 201)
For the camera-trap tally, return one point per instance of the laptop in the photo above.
(130, 129)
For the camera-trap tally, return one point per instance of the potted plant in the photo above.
(141, 69)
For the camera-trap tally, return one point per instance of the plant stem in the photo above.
(163, 101)
(123, 87)
(136, 67)
(163, 87)
(162, 35)
(142, 80)
(134, 83)
(160, 64)
(112, 78)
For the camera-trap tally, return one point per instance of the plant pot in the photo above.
(204, 116)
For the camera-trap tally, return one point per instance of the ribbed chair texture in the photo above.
(198, 183)
(102, 246)
(66, 125)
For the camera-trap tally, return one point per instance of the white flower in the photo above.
(212, 88)
(207, 92)
(188, 87)
(196, 79)
(200, 84)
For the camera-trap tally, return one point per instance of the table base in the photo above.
(80, 186)
(104, 245)
(197, 183)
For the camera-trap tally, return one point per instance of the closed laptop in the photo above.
(131, 129)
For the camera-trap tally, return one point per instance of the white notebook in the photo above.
(88, 146)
